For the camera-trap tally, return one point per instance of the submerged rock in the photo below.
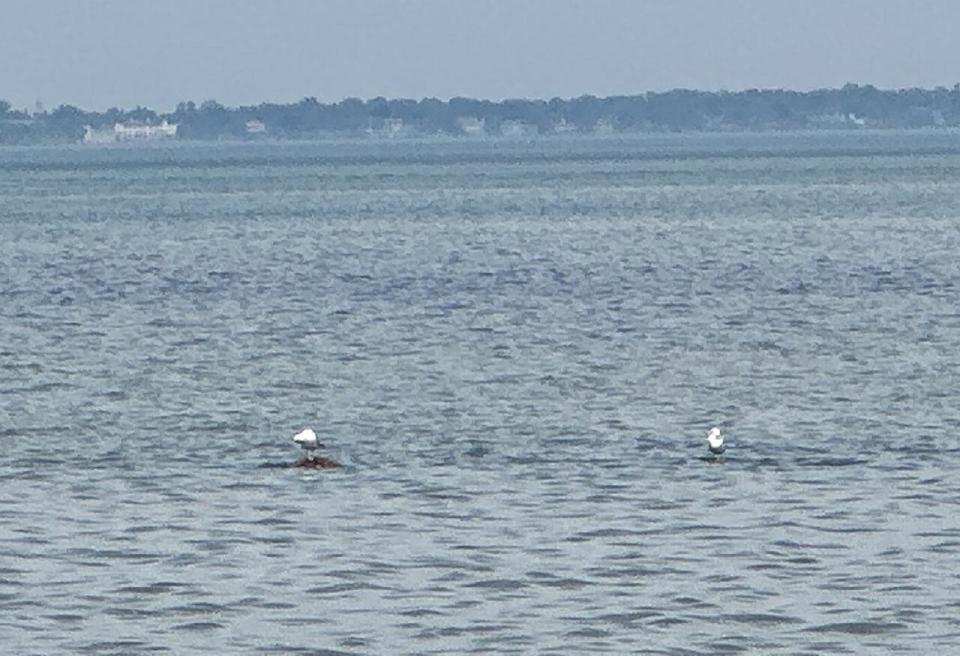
(317, 463)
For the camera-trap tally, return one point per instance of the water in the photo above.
(516, 350)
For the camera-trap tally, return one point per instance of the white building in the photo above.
(390, 128)
(130, 132)
(603, 127)
(93, 136)
(471, 125)
(515, 129)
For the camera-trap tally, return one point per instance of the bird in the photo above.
(308, 440)
(715, 441)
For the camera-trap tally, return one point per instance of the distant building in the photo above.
(256, 126)
(837, 121)
(603, 127)
(129, 132)
(93, 136)
(471, 125)
(389, 128)
(138, 131)
(516, 129)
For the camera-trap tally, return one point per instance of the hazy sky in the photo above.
(102, 53)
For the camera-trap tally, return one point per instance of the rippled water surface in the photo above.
(515, 349)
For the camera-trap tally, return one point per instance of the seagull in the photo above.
(715, 441)
(308, 440)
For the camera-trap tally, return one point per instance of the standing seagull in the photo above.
(308, 440)
(715, 441)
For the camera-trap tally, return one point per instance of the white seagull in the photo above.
(715, 441)
(308, 440)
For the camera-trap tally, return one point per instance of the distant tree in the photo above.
(142, 114)
(211, 121)
(680, 109)
(65, 123)
(585, 112)
(378, 108)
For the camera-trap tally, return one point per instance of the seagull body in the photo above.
(715, 441)
(307, 439)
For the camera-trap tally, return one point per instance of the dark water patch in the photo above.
(801, 560)
(274, 605)
(858, 628)
(162, 587)
(133, 555)
(901, 588)
(587, 632)
(940, 533)
(791, 545)
(218, 546)
(355, 642)
(693, 602)
(498, 585)
(198, 626)
(280, 522)
(830, 462)
(770, 567)
(338, 588)
(842, 529)
(667, 622)
(451, 564)
(760, 619)
(247, 486)
(298, 385)
(421, 612)
(66, 617)
(476, 628)
(605, 533)
(947, 546)
(558, 582)
(627, 619)
(202, 608)
(122, 647)
(129, 613)
(624, 574)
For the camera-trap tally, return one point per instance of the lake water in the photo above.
(516, 350)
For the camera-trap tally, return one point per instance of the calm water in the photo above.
(516, 350)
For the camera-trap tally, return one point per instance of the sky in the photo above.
(97, 54)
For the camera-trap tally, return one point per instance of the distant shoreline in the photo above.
(852, 107)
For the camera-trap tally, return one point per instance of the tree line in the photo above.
(852, 106)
